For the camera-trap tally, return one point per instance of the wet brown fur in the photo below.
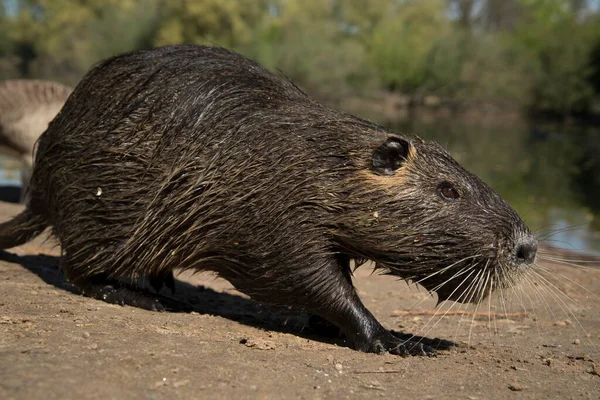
(189, 157)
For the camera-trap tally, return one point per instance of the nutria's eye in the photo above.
(447, 191)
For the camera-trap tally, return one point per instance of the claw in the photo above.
(404, 345)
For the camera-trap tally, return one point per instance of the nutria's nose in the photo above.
(525, 250)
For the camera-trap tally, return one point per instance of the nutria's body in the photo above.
(192, 157)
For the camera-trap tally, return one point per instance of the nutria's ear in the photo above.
(389, 156)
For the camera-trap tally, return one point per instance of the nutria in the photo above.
(26, 108)
(196, 158)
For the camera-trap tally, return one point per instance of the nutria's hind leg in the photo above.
(167, 280)
(117, 292)
(114, 291)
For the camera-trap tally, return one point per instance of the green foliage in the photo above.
(61, 39)
(227, 23)
(8, 60)
(400, 43)
(466, 67)
(539, 54)
(560, 44)
(301, 41)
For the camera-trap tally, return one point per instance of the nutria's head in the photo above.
(421, 216)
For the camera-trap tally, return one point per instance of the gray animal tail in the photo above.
(21, 229)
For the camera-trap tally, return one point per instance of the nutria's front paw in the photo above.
(413, 348)
(404, 348)
(408, 345)
(435, 343)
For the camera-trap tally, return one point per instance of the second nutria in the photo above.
(26, 108)
(196, 158)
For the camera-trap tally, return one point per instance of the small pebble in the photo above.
(184, 382)
(515, 387)
(339, 367)
(330, 358)
(577, 341)
(563, 322)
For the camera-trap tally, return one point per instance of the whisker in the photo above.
(502, 299)
(446, 268)
(467, 294)
(457, 274)
(538, 292)
(476, 291)
(556, 295)
(572, 281)
(553, 256)
(570, 228)
(568, 264)
(526, 292)
(450, 308)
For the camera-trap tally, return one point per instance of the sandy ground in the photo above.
(56, 344)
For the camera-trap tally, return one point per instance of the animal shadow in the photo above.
(203, 300)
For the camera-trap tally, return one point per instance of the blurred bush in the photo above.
(541, 55)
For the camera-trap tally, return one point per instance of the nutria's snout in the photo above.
(525, 250)
(458, 237)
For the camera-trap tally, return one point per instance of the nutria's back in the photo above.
(216, 136)
(189, 157)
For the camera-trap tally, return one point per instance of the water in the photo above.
(550, 173)
(10, 173)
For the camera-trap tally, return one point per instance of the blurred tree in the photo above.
(9, 61)
(360, 17)
(595, 67)
(61, 39)
(499, 15)
(400, 43)
(228, 23)
(464, 12)
(527, 52)
(311, 44)
(561, 43)
(594, 57)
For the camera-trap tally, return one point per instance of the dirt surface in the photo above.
(56, 344)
